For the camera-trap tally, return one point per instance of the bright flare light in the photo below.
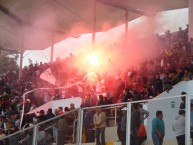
(93, 59)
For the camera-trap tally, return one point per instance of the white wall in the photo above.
(55, 104)
(165, 106)
(66, 103)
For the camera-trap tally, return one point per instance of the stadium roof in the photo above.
(39, 21)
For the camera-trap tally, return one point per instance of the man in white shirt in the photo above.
(179, 127)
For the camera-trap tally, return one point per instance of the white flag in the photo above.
(162, 63)
(48, 76)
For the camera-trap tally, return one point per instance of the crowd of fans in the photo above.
(146, 81)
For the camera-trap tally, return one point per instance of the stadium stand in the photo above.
(149, 80)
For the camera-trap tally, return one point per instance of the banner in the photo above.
(48, 76)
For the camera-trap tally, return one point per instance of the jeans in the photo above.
(157, 140)
(100, 136)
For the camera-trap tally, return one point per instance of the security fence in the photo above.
(161, 109)
(59, 130)
(110, 122)
(123, 122)
(114, 124)
(22, 137)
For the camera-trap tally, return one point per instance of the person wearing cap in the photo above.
(99, 121)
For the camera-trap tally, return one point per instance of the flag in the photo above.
(162, 63)
(48, 76)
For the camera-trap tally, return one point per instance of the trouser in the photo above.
(90, 135)
(134, 138)
(181, 139)
(61, 137)
(142, 139)
(100, 136)
(119, 130)
(123, 137)
(157, 140)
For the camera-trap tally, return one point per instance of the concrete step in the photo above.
(147, 142)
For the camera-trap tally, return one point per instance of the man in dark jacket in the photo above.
(62, 126)
(88, 123)
(49, 114)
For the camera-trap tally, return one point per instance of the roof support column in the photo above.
(52, 50)
(190, 5)
(94, 24)
(21, 64)
(21, 54)
(126, 24)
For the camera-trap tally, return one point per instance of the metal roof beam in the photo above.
(126, 8)
(8, 49)
(21, 22)
(11, 14)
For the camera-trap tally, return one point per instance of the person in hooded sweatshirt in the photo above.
(179, 127)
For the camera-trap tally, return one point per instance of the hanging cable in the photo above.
(27, 54)
(3, 28)
(71, 11)
(44, 55)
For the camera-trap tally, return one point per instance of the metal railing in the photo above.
(75, 134)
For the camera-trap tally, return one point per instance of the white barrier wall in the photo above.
(55, 104)
(66, 103)
(169, 107)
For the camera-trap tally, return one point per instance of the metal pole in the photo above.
(94, 24)
(115, 116)
(187, 123)
(52, 49)
(21, 56)
(81, 126)
(78, 139)
(128, 125)
(21, 64)
(35, 134)
(126, 24)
